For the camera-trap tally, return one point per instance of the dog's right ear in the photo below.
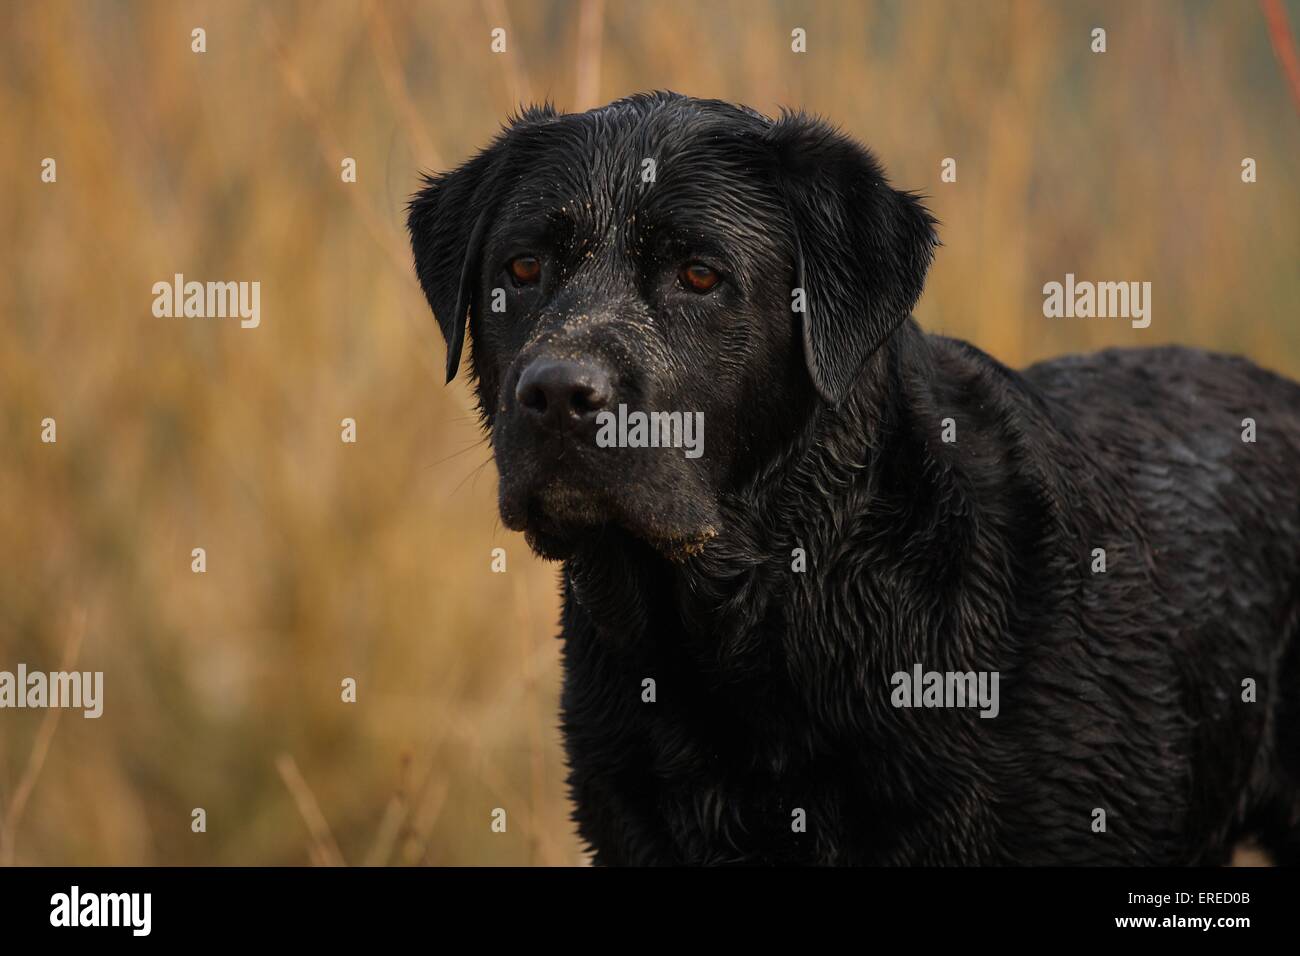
(447, 220)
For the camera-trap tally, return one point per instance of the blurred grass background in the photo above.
(372, 560)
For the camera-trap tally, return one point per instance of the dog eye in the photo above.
(526, 269)
(698, 277)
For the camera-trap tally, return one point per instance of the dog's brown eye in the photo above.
(526, 269)
(698, 277)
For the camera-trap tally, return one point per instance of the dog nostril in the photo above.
(531, 396)
(590, 398)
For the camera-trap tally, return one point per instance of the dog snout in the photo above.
(563, 394)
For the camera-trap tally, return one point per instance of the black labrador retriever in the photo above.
(904, 605)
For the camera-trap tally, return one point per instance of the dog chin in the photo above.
(559, 520)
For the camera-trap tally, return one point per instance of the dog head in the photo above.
(634, 273)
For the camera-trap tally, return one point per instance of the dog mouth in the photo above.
(558, 518)
(559, 510)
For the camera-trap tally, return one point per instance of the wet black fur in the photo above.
(1120, 691)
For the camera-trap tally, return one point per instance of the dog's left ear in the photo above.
(862, 248)
(447, 220)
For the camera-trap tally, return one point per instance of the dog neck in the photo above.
(882, 473)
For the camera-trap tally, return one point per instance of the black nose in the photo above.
(562, 393)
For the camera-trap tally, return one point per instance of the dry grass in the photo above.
(371, 561)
